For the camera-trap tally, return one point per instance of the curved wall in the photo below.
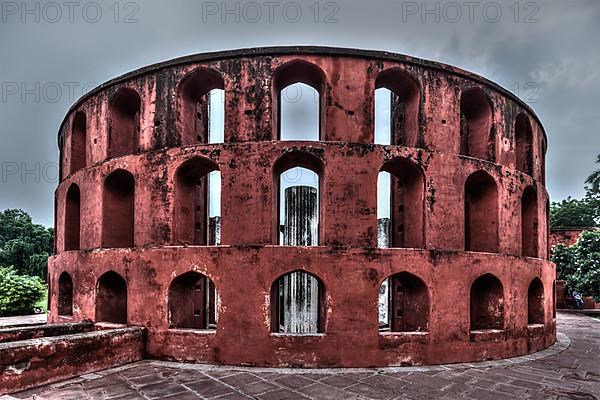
(347, 261)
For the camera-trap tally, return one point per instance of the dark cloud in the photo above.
(557, 54)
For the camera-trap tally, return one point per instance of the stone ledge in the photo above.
(39, 331)
(484, 335)
(34, 362)
(23, 320)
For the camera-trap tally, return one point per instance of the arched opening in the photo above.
(197, 218)
(535, 302)
(124, 123)
(529, 223)
(403, 304)
(118, 210)
(72, 218)
(201, 107)
(298, 304)
(400, 204)
(524, 144)
(397, 98)
(192, 302)
(298, 97)
(111, 299)
(65, 295)
(298, 178)
(78, 142)
(487, 303)
(475, 125)
(481, 213)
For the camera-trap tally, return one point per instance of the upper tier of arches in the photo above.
(429, 201)
(427, 105)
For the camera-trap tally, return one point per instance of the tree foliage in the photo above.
(579, 264)
(594, 179)
(562, 256)
(576, 213)
(18, 293)
(24, 245)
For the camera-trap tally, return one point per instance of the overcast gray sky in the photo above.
(547, 51)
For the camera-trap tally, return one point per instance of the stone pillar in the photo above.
(383, 233)
(299, 291)
(300, 302)
(301, 225)
(214, 231)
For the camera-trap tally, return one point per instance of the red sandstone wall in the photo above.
(349, 202)
(243, 276)
(565, 236)
(560, 294)
(349, 119)
(244, 268)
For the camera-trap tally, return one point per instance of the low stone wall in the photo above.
(28, 363)
(41, 331)
(566, 236)
(590, 304)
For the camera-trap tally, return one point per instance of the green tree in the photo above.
(574, 213)
(579, 213)
(23, 244)
(586, 259)
(562, 256)
(18, 293)
(37, 265)
(579, 264)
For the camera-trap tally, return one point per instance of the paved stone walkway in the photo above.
(570, 374)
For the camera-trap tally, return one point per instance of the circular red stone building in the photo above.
(336, 208)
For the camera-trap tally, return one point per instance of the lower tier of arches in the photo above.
(364, 307)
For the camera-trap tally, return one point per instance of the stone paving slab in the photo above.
(568, 370)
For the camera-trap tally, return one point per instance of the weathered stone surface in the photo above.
(568, 374)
